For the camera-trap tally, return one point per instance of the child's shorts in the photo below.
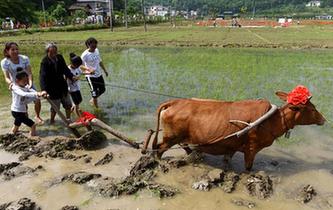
(76, 97)
(22, 117)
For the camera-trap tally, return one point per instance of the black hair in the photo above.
(75, 60)
(91, 40)
(8, 45)
(19, 69)
(21, 75)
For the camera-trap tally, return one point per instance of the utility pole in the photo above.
(254, 8)
(144, 14)
(43, 7)
(110, 11)
(126, 19)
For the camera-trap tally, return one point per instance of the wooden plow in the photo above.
(88, 120)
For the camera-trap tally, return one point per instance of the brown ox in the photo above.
(205, 123)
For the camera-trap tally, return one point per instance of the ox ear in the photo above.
(282, 95)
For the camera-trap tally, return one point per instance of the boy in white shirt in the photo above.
(21, 96)
(74, 85)
(92, 60)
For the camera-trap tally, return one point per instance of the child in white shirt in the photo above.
(92, 60)
(21, 96)
(74, 85)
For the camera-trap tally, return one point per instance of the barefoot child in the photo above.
(74, 86)
(92, 59)
(21, 96)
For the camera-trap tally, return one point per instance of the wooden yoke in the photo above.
(249, 126)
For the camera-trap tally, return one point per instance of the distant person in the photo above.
(13, 60)
(21, 96)
(214, 23)
(92, 60)
(74, 85)
(53, 71)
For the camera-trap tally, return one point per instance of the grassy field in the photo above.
(193, 36)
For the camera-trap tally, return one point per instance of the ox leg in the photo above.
(227, 160)
(249, 159)
(167, 143)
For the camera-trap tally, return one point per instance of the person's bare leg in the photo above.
(53, 114)
(38, 106)
(33, 130)
(68, 114)
(77, 110)
(15, 129)
(95, 102)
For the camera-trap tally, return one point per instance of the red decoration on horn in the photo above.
(85, 118)
(299, 95)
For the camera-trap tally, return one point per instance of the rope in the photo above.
(138, 90)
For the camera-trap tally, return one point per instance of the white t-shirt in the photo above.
(8, 66)
(74, 86)
(92, 60)
(21, 97)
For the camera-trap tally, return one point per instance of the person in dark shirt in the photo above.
(53, 71)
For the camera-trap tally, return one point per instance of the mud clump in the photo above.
(15, 169)
(141, 177)
(306, 194)
(56, 148)
(87, 159)
(145, 163)
(259, 185)
(22, 204)
(91, 140)
(17, 143)
(202, 185)
(20, 171)
(70, 208)
(218, 178)
(106, 159)
(245, 203)
(230, 180)
(162, 191)
(7, 166)
(167, 164)
(78, 178)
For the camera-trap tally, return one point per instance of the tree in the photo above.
(59, 12)
(134, 7)
(21, 10)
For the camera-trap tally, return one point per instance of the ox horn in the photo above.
(309, 98)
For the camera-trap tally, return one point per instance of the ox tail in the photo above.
(162, 107)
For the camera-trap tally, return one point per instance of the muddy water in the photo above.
(308, 162)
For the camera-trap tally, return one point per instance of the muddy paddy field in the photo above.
(56, 170)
